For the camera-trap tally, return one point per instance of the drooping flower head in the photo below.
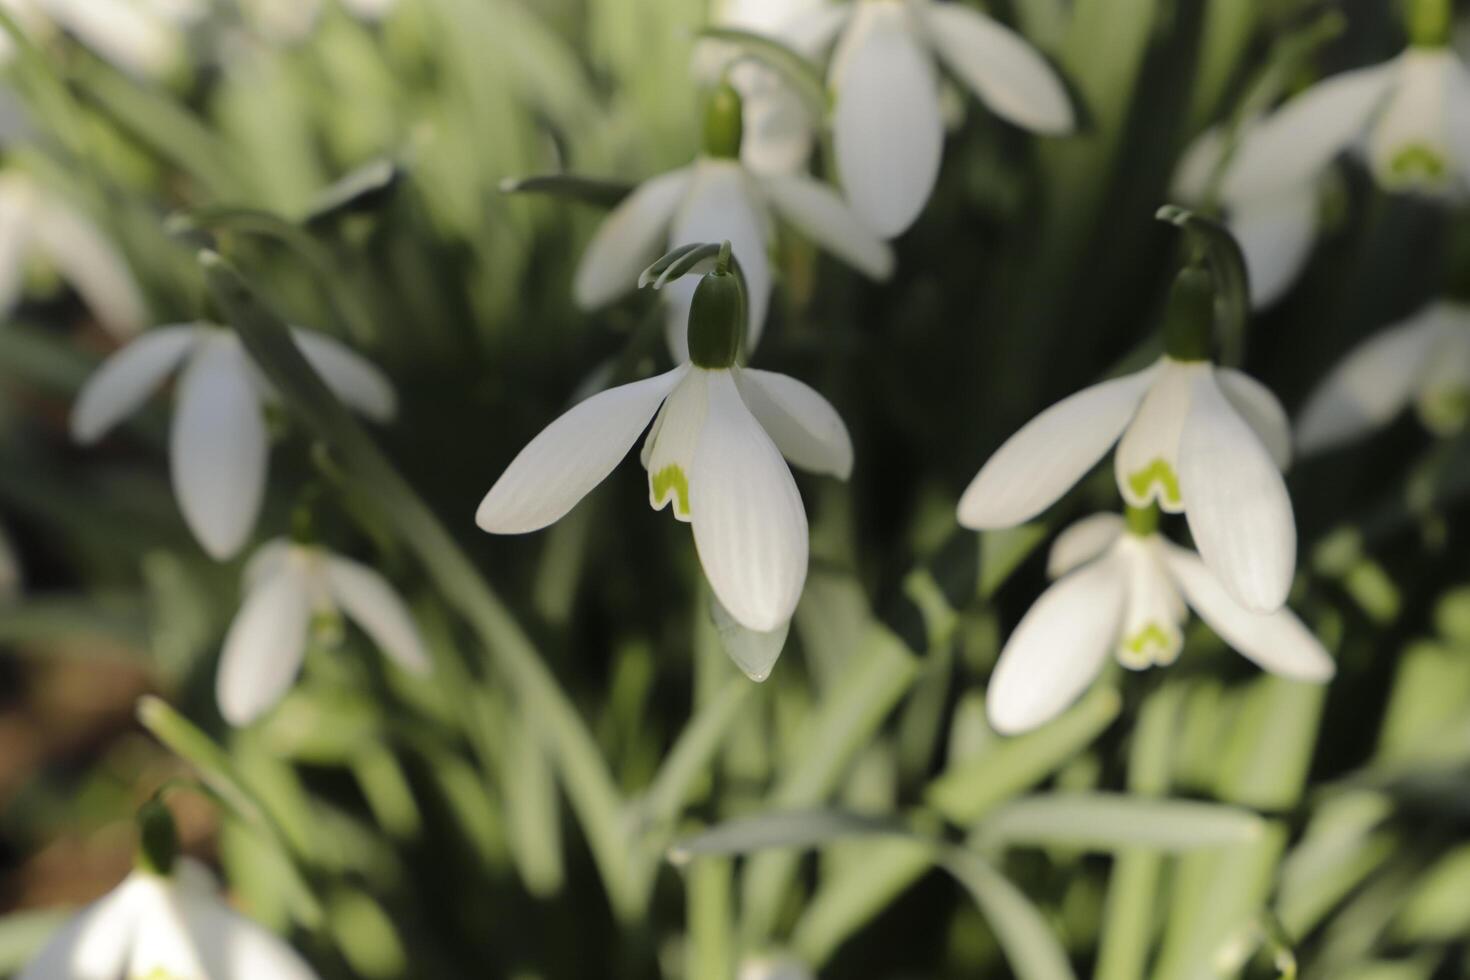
(1122, 588)
(714, 455)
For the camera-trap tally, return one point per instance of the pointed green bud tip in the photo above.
(717, 319)
(724, 123)
(1190, 319)
(1430, 23)
(158, 838)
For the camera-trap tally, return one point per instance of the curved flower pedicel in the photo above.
(1424, 360)
(715, 454)
(165, 925)
(1128, 590)
(287, 587)
(218, 445)
(887, 127)
(717, 199)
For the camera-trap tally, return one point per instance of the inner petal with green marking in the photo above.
(1153, 644)
(670, 483)
(1156, 480)
(1418, 163)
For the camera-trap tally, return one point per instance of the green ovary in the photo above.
(672, 478)
(1160, 472)
(1418, 162)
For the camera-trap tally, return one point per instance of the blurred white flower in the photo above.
(288, 585)
(292, 21)
(1425, 360)
(719, 200)
(176, 927)
(1276, 230)
(1204, 441)
(715, 452)
(36, 223)
(887, 124)
(1129, 593)
(142, 37)
(1410, 115)
(218, 445)
(774, 968)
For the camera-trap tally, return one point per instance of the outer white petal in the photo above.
(1057, 649)
(93, 267)
(628, 240)
(374, 605)
(887, 129)
(670, 462)
(821, 214)
(126, 380)
(571, 456)
(162, 943)
(1052, 452)
(354, 379)
(723, 204)
(754, 653)
(1146, 464)
(1409, 146)
(1440, 401)
(1082, 542)
(803, 424)
(749, 524)
(1002, 67)
(93, 944)
(1457, 105)
(1276, 233)
(1372, 384)
(1304, 135)
(16, 223)
(1238, 509)
(129, 35)
(1261, 411)
(267, 562)
(232, 946)
(265, 644)
(1197, 166)
(218, 446)
(1276, 641)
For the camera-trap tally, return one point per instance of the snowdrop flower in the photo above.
(287, 587)
(1194, 438)
(218, 445)
(1424, 360)
(887, 123)
(774, 968)
(37, 224)
(717, 199)
(1124, 588)
(141, 37)
(165, 927)
(714, 454)
(1411, 115)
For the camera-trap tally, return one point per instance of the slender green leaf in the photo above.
(587, 190)
(799, 829)
(1113, 821)
(1029, 943)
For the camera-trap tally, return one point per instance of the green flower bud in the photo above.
(1189, 322)
(158, 839)
(724, 123)
(717, 317)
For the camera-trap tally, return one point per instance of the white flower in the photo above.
(1130, 594)
(774, 968)
(288, 586)
(1205, 441)
(714, 452)
(218, 445)
(142, 37)
(1411, 116)
(1276, 230)
(35, 223)
(887, 123)
(152, 927)
(719, 200)
(1424, 360)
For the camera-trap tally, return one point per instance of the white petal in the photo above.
(265, 644)
(778, 131)
(1146, 464)
(803, 424)
(671, 460)
(1276, 641)
(162, 943)
(1276, 233)
(17, 218)
(820, 213)
(1057, 649)
(1304, 135)
(571, 456)
(92, 945)
(629, 240)
(722, 205)
(1038, 464)
(1457, 107)
(123, 382)
(129, 35)
(352, 377)
(1409, 147)
(373, 604)
(1236, 502)
(234, 948)
(1154, 613)
(749, 524)
(1002, 67)
(1372, 384)
(1444, 386)
(93, 267)
(1082, 542)
(887, 129)
(218, 446)
(1261, 411)
(267, 561)
(754, 653)
(1197, 166)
